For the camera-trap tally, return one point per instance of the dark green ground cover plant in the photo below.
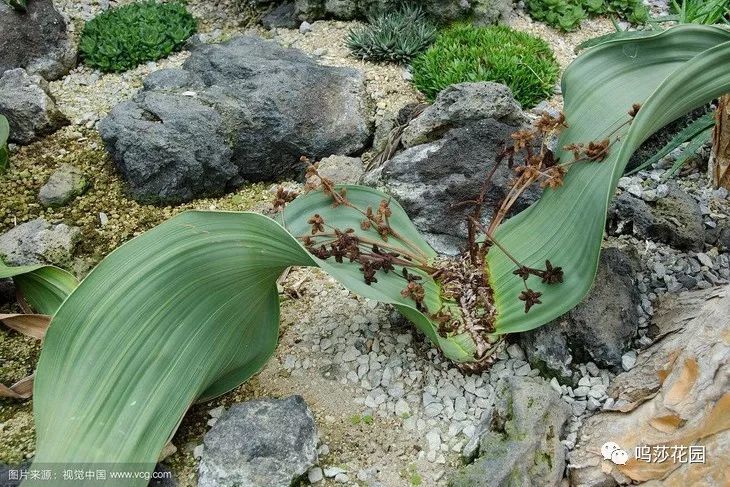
(126, 36)
(190, 309)
(465, 53)
(393, 36)
(566, 15)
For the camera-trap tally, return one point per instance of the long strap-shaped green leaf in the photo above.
(459, 348)
(44, 287)
(186, 311)
(670, 73)
(690, 132)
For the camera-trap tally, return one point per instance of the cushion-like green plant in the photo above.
(124, 37)
(465, 53)
(566, 15)
(396, 36)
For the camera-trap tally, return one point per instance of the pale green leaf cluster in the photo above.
(393, 36)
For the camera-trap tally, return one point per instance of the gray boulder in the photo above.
(36, 40)
(27, 104)
(429, 179)
(518, 442)
(39, 242)
(66, 183)
(599, 329)
(264, 442)
(341, 169)
(675, 219)
(480, 11)
(463, 104)
(682, 379)
(244, 110)
(547, 350)
(281, 16)
(721, 235)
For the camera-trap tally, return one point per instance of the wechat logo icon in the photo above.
(611, 451)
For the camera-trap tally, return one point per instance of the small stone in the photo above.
(305, 27)
(593, 404)
(315, 475)
(705, 260)
(331, 472)
(198, 451)
(66, 183)
(342, 478)
(402, 409)
(579, 407)
(556, 385)
(635, 190)
(581, 391)
(628, 360)
(433, 440)
(27, 104)
(516, 352)
(650, 195)
(350, 355)
(593, 369)
(598, 391)
(216, 412)
(522, 370)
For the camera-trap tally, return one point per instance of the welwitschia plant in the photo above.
(190, 310)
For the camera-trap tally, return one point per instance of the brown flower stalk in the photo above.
(466, 298)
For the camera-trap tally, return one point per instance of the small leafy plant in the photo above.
(699, 12)
(4, 134)
(396, 36)
(124, 37)
(566, 15)
(696, 134)
(464, 53)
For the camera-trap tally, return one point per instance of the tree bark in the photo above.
(720, 157)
